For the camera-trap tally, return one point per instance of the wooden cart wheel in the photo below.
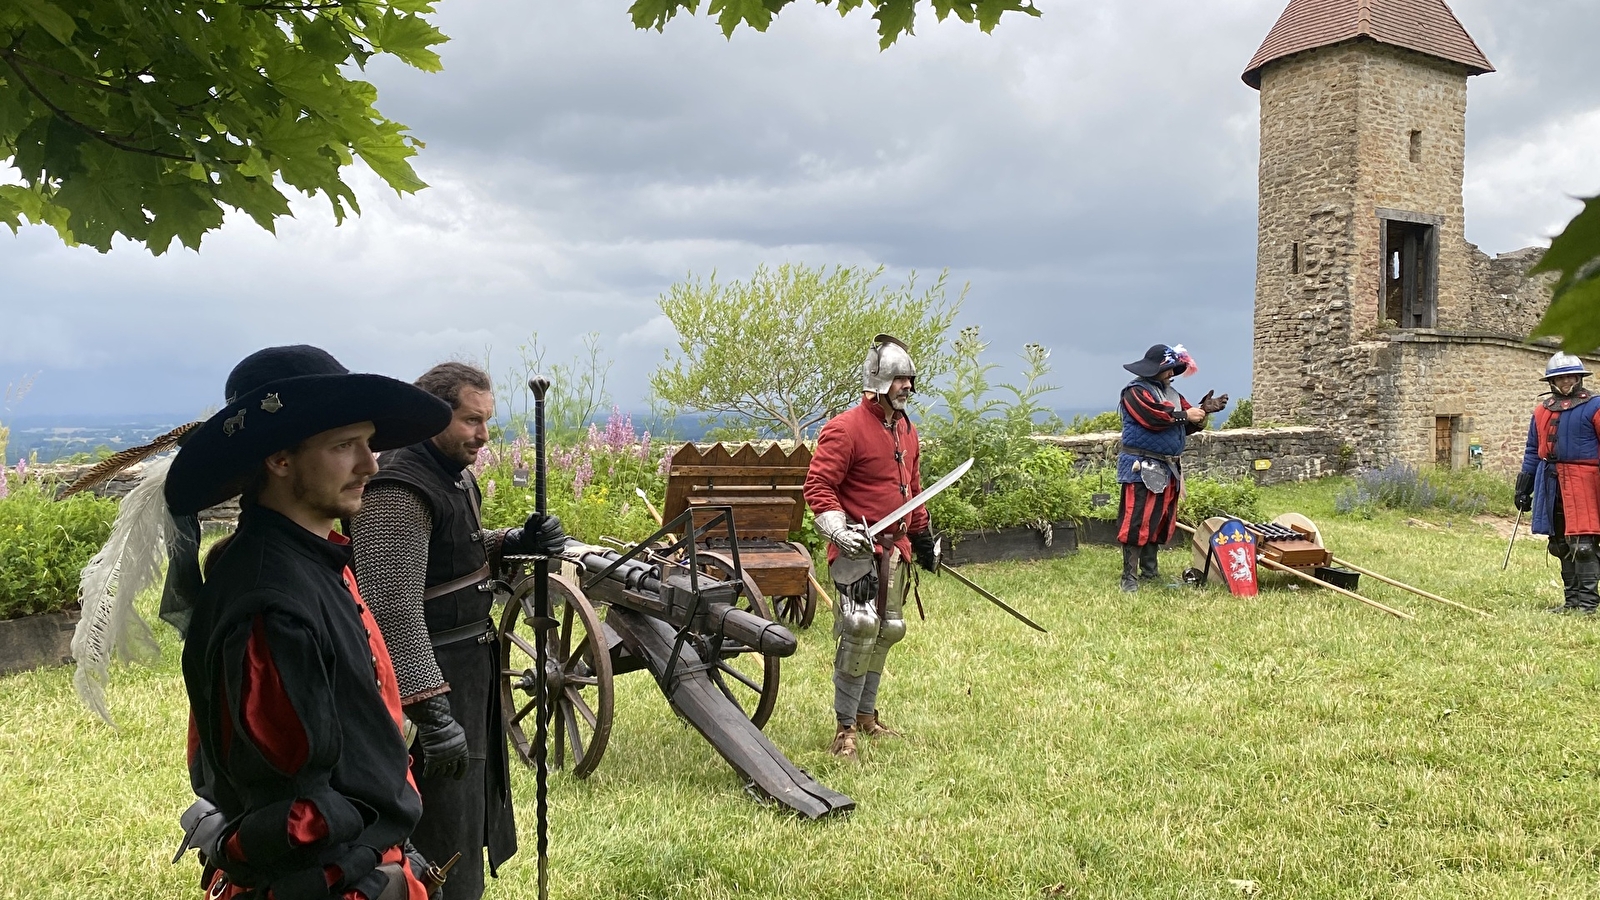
(748, 678)
(799, 611)
(577, 672)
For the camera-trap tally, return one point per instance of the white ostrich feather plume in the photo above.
(130, 562)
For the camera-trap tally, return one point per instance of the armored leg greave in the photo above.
(864, 640)
(1130, 568)
(1148, 562)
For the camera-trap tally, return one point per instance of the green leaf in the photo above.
(1577, 245)
(895, 17)
(409, 38)
(52, 18)
(1574, 316)
(656, 13)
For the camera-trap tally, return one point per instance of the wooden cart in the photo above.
(764, 489)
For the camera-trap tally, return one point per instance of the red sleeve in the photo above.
(918, 521)
(829, 464)
(1149, 411)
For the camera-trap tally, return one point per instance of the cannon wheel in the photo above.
(578, 670)
(799, 611)
(753, 688)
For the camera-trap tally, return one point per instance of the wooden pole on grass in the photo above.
(1406, 587)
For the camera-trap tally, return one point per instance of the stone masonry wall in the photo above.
(1296, 453)
(1401, 92)
(1505, 300)
(1307, 194)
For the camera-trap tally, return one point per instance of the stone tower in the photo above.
(1364, 279)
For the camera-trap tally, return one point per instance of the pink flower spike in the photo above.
(488, 489)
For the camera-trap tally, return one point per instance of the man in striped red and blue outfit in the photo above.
(1156, 423)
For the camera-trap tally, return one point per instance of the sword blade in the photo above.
(944, 567)
(1512, 542)
(927, 494)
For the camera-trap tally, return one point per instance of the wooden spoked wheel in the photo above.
(748, 678)
(799, 610)
(577, 677)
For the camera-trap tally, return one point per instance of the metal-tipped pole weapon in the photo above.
(539, 385)
(1512, 542)
(654, 513)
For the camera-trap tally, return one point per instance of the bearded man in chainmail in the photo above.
(423, 563)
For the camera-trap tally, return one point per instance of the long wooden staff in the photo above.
(1406, 587)
(539, 385)
(1280, 567)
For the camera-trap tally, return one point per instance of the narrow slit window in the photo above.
(1416, 146)
(1294, 258)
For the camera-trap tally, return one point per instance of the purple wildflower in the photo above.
(5, 483)
(581, 477)
(665, 468)
(22, 470)
(488, 489)
(644, 446)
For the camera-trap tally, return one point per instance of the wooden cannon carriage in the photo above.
(694, 620)
(764, 490)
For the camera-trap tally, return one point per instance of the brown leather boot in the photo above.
(844, 743)
(871, 726)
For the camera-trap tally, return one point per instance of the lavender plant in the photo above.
(1406, 488)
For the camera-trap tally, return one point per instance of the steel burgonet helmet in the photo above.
(887, 360)
(1564, 364)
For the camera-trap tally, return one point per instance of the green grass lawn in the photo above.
(1168, 744)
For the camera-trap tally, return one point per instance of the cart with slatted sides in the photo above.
(764, 490)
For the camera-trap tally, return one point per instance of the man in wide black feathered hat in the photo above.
(296, 728)
(1156, 423)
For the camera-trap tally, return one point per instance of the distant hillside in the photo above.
(56, 437)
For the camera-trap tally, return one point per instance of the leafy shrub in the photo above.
(1406, 488)
(590, 483)
(1015, 480)
(1206, 497)
(1110, 420)
(44, 545)
(1243, 415)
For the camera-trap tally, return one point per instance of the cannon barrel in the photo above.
(673, 599)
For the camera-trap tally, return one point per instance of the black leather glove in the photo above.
(1209, 404)
(542, 534)
(922, 547)
(1524, 497)
(442, 739)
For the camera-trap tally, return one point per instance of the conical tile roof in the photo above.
(1426, 26)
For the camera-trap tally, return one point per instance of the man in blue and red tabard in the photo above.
(1560, 480)
(296, 733)
(1156, 423)
(866, 466)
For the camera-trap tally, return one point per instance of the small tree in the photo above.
(784, 349)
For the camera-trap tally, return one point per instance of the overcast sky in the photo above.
(1091, 173)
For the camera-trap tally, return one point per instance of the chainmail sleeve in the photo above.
(391, 564)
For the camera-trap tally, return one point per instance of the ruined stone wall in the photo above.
(1308, 182)
(1295, 453)
(1504, 299)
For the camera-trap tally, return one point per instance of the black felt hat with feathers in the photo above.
(277, 398)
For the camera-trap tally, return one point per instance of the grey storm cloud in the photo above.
(1090, 173)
